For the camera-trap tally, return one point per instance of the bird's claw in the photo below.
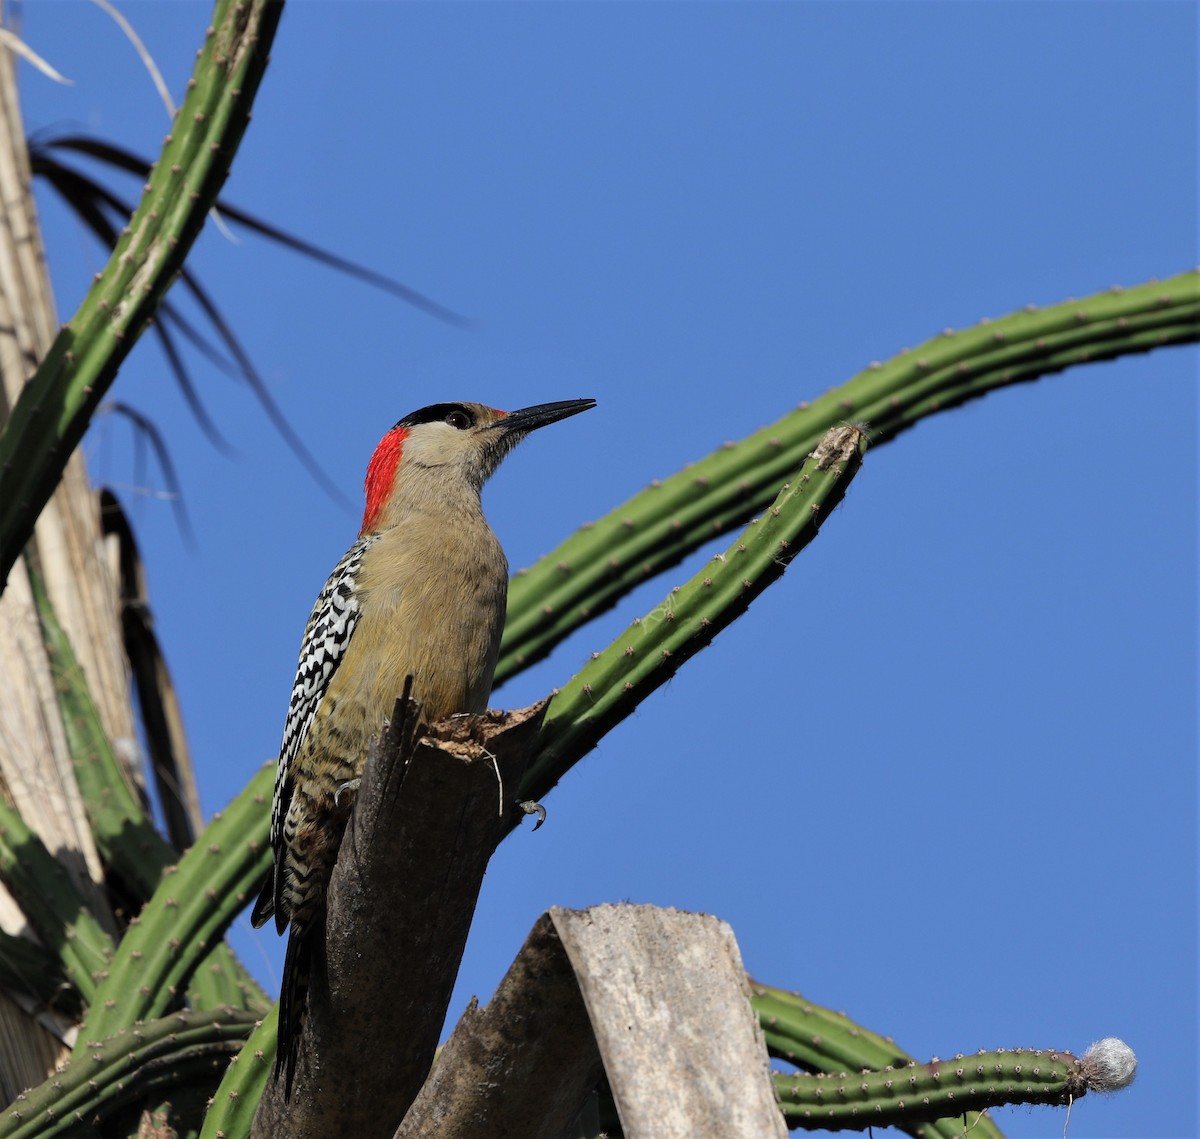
(349, 785)
(529, 807)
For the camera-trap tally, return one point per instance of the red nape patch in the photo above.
(381, 475)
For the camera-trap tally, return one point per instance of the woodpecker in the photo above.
(421, 593)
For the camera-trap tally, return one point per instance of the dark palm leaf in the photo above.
(162, 722)
(104, 211)
(146, 432)
(131, 163)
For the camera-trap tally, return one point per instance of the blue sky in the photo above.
(942, 776)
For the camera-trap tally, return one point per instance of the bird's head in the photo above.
(447, 447)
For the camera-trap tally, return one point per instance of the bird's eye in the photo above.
(459, 420)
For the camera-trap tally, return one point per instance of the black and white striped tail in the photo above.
(293, 1000)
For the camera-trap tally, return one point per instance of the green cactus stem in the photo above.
(54, 408)
(125, 835)
(859, 1079)
(818, 1039)
(222, 981)
(104, 1076)
(913, 1094)
(660, 525)
(235, 1100)
(51, 904)
(190, 910)
(653, 648)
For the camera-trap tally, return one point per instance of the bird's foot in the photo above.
(350, 785)
(529, 807)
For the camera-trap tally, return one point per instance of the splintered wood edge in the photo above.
(489, 726)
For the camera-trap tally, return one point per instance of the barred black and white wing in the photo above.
(330, 626)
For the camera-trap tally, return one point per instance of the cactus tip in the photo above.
(1108, 1065)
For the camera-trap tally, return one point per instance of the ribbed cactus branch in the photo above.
(106, 1075)
(861, 1080)
(53, 411)
(659, 526)
(51, 905)
(914, 1094)
(234, 1102)
(191, 908)
(652, 649)
(125, 834)
(818, 1039)
(222, 981)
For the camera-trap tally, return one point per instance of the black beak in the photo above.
(530, 418)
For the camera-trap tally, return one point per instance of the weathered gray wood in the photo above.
(660, 996)
(36, 773)
(669, 1003)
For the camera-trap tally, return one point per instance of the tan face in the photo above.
(468, 436)
(447, 450)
